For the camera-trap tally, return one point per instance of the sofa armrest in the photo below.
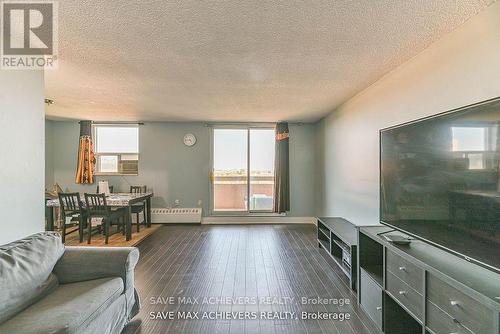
(86, 263)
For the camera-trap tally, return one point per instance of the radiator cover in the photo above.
(176, 215)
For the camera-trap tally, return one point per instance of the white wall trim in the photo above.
(257, 220)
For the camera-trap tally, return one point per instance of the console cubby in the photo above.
(339, 238)
(371, 258)
(397, 320)
(324, 237)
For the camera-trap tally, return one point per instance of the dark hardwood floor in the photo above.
(254, 261)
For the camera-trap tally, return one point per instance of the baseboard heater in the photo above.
(175, 215)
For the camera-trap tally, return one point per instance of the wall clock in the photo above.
(189, 139)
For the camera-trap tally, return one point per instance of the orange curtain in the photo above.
(86, 159)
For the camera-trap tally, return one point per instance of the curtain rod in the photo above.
(249, 123)
(117, 123)
(208, 124)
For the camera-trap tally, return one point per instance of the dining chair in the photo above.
(139, 207)
(110, 189)
(98, 208)
(72, 214)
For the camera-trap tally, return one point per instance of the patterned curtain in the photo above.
(281, 170)
(86, 159)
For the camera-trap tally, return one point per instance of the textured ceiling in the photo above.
(194, 60)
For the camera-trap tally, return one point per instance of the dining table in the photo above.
(114, 200)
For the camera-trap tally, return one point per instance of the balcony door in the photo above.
(242, 170)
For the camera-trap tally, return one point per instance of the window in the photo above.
(116, 149)
(261, 155)
(476, 145)
(242, 170)
(468, 139)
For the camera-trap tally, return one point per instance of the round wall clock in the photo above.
(189, 139)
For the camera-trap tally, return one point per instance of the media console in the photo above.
(419, 288)
(338, 237)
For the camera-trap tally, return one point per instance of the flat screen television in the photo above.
(440, 181)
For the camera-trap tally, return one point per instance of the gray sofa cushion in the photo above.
(73, 308)
(112, 320)
(26, 271)
(87, 263)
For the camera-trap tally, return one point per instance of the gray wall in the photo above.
(302, 170)
(461, 68)
(175, 171)
(21, 154)
(166, 165)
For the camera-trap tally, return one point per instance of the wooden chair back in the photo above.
(70, 204)
(138, 189)
(96, 205)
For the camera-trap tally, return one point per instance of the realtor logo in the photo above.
(29, 35)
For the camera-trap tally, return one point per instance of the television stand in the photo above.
(422, 289)
(338, 237)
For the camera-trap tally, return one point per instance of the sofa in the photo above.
(49, 288)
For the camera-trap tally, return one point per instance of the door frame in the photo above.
(235, 126)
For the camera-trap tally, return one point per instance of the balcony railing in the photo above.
(230, 192)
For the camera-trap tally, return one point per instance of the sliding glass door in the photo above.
(230, 170)
(261, 155)
(242, 170)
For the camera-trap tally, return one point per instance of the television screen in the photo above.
(440, 180)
